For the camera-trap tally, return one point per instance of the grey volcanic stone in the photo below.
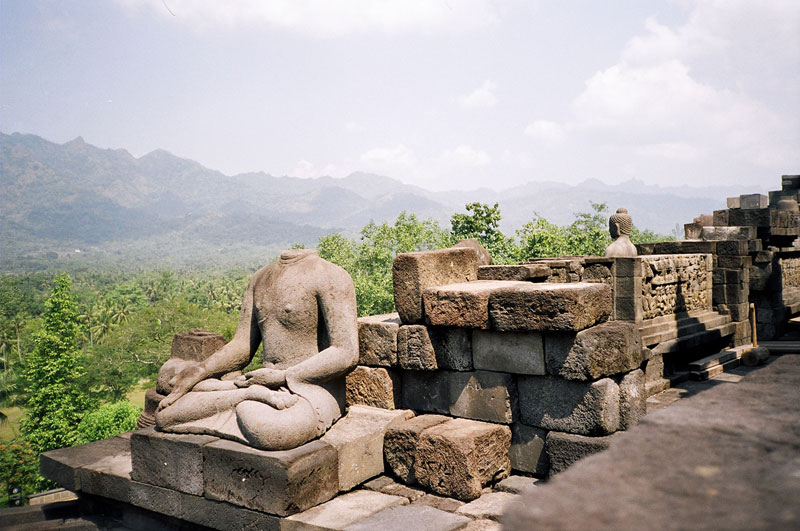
(489, 506)
(156, 499)
(549, 306)
(727, 457)
(416, 517)
(585, 408)
(464, 304)
(457, 458)
(170, 460)
(527, 452)
(516, 484)
(414, 348)
(514, 352)
(414, 272)
(400, 444)
(276, 482)
(63, 465)
(358, 439)
(342, 511)
(452, 347)
(564, 449)
(482, 395)
(377, 339)
(513, 272)
(602, 350)
(632, 399)
(373, 386)
(109, 476)
(221, 515)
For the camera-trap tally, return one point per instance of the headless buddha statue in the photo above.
(303, 309)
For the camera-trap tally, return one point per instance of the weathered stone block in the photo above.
(377, 340)
(63, 465)
(109, 476)
(414, 348)
(585, 408)
(602, 350)
(753, 201)
(157, 499)
(564, 449)
(514, 352)
(482, 395)
(489, 506)
(221, 515)
(280, 483)
(400, 445)
(465, 304)
(728, 233)
(628, 309)
(373, 386)
(170, 460)
(734, 202)
(513, 272)
(484, 258)
(414, 272)
(632, 399)
(452, 347)
(516, 484)
(527, 452)
(734, 262)
(342, 511)
(457, 458)
(692, 231)
(733, 248)
(411, 517)
(598, 271)
(358, 440)
(550, 307)
(426, 391)
(720, 218)
(790, 182)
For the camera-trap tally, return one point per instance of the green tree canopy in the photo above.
(57, 398)
(482, 223)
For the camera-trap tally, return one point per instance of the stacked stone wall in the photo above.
(675, 283)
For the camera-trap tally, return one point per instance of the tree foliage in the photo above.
(107, 421)
(54, 378)
(483, 223)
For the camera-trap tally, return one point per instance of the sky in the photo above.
(443, 94)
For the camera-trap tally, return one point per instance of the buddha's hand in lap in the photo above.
(182, 383)
(278, 399)
(272, 378)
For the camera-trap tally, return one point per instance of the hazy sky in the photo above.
(452, 94)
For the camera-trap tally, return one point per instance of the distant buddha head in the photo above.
(620, 223)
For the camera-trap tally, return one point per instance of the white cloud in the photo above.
(547, 132)
(690, 92)
(482, 96)
(326, 18)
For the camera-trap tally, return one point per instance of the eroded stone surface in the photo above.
(452, 347)
(550, 307)
(527, 452)
(457, 458)
(482, 395)
(358, 439)
(489, 506)
(340, 512)
(414, 272)
(463, 304)
(373, 386)
(401, 441)
(277, 482)
(608, 348)
(516, 484)
(414, 348)
(564, 449)
(170, 460)
(632, 399)
(63, 465)
(514, 272)
(377, 340)
(513, 352)
(585, 408)
(419, 518)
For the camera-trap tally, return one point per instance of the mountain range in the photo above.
(63, 198)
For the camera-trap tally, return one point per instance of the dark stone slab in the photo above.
(109, 476)
(564, 449)
(280, 482)
(602, 350)
(221, 515)
(584, 408)
(63, 465)
(170, 460)
(377, 340)
(400, 445)
(726, 457)
(156, 499)
(452, 347)
(527, 452)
